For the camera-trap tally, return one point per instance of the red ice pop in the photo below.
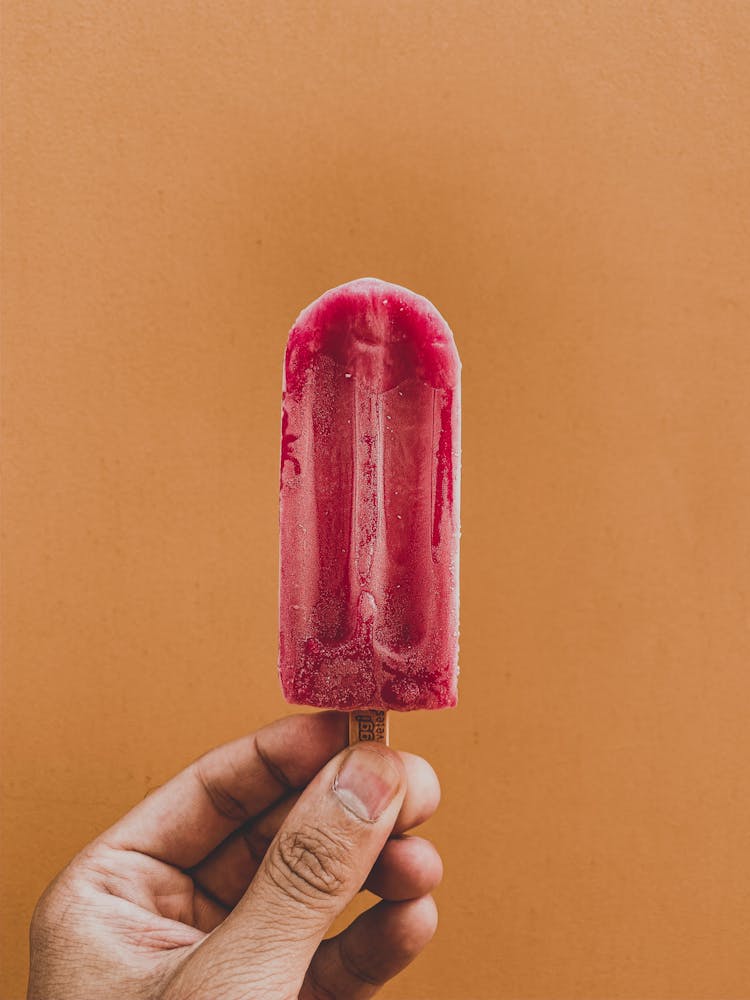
(369, 516)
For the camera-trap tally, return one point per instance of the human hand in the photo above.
(221, 884)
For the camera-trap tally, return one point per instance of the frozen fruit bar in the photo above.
(369, 518)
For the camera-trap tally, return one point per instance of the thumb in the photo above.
(316, 864)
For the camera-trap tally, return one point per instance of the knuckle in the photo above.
(225, 804)
(308, 863)
(42, 922)
(257, 843)
(316, 990)
(356, 967)
(49, 909)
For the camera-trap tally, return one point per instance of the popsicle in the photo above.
(369, 503)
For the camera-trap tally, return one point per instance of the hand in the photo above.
(221, 884)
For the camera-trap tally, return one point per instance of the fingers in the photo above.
(423, 796)
(228, 871)
(408, 867)
(374, 948)
(315, 865)
(184, 820)
(207, 913)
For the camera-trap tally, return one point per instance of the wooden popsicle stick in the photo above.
(368, 725)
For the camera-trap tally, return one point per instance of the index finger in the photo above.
(184, 820)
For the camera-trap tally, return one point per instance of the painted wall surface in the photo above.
(570, 183)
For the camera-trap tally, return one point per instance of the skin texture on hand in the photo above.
(223, 882)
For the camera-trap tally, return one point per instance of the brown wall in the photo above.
(568, 181)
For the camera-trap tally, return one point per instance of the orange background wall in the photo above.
(569, 182)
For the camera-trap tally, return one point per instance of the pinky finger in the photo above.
(375, 947)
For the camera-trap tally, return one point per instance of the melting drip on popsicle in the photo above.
(369, 517)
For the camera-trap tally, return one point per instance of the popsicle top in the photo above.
(379, 332)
